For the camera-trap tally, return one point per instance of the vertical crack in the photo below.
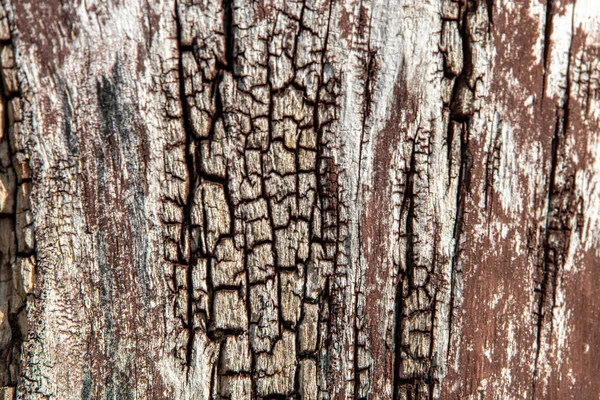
(490, 10)
(464, 174)
(185, 255)
(17, 241)
(547, 33)
(405, 282)
(460, 116)
(492, 164)
(228, 24)
(556, 229)
(370, 69)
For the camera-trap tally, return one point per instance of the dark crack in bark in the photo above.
(17, 243)
(561, 208)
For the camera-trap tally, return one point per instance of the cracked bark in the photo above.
(308, 199)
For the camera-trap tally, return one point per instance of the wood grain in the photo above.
(302, 199)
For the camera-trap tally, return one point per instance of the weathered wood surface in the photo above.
(300, 199)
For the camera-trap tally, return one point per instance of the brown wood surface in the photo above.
(304, 199)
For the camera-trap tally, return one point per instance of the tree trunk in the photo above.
(309, 199)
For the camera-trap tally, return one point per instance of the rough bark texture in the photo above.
(310, 199)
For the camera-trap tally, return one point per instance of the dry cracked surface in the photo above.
(309, 199)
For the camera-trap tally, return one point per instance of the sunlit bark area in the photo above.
(300, 199)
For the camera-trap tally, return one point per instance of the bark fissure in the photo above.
(185, 256)
(549, 15)
(17, 243)
(492, 165)
(405, 383)
(461, 110)
(557, 230)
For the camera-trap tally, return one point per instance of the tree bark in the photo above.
(308, 199)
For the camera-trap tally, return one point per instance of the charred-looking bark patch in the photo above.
(17, 245)
(258, 235)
